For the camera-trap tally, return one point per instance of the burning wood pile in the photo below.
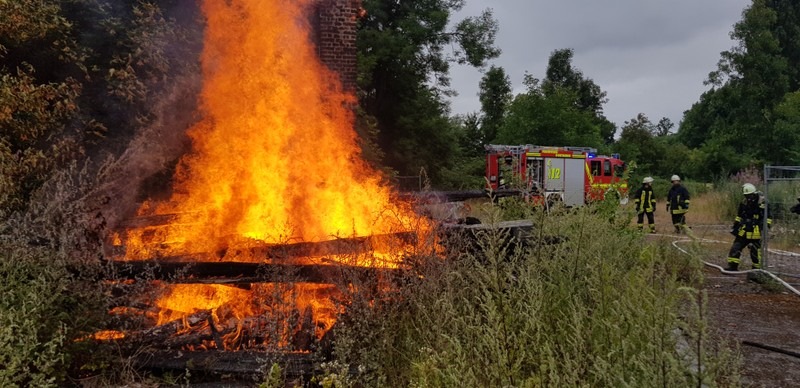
(271, 214)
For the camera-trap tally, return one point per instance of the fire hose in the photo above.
(726, 272)
(758, 271)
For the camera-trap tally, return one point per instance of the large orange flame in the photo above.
(275, 157)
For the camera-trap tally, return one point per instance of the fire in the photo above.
(275, 157)
(274, 160)
(272, 302)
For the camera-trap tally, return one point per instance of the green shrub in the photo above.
(601, 308)
(48, 279)
(33, 318)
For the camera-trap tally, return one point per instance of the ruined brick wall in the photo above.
(336, 25)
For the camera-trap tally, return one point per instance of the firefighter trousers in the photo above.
(650, 220)
(738, 246)
(679, 221)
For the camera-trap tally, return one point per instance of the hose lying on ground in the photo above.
(771, 348)
(726, 272)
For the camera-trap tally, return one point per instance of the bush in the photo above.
(33, 317)
(583, 312)
(48, 279)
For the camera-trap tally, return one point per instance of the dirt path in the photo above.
(741, 310)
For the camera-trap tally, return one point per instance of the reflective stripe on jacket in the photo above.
(644, 200)
(749, 220)
(678, 198)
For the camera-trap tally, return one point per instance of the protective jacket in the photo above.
(644, 200)
(678, 200)
(749, 220)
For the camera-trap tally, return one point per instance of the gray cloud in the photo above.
(651, 56)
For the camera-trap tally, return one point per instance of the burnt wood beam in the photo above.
(252, 250)
(234, 273)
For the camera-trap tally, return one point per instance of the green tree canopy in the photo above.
(589, 97)
(79, 77)
(495, 96)
(740, 120)
(537, 118)
(403, 65)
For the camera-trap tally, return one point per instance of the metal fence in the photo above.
(781, 242)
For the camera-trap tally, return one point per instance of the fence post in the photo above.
(765, 237)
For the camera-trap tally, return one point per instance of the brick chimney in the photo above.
(336, 27)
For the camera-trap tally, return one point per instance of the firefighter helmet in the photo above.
(675, 178)
(748, 188)
(647, 180)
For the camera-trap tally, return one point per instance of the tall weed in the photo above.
(48, 278)
(591, 305)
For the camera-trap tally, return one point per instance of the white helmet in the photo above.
(675, 178)
(647, 180)
(748, 188)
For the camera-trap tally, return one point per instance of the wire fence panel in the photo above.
(781, 242)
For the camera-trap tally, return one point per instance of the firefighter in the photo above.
(678, 204)
(645, 205)
(747, 228)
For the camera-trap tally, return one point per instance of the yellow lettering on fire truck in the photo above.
(554, 173)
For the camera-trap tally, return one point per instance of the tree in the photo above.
(78, 78)
(588, 95)
(786, 130)
(471, 137)
(637, 143)
(495, 96)
(740, 115)
(401, 47)
(664, 127)
(536, 118)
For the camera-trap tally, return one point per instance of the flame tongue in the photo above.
(274, 157)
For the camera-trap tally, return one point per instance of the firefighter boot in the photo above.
(732, 266)
(678, 229)
(639, 227)
(652, 228)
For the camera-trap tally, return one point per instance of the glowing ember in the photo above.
(268, 301)
(105, 335)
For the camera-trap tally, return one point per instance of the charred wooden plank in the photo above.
(340, 246)
(149, 221)
(163, 333)
(509, 235)
(235, 273)
(217, 363)
(253, 250)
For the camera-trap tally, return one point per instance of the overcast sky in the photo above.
(650, 56)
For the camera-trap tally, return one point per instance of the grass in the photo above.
(584, 312)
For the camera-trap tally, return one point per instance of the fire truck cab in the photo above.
(570, 175)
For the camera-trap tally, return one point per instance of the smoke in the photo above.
(152, 152)
(143, 167)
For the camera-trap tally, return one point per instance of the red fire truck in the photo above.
(570, 175)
